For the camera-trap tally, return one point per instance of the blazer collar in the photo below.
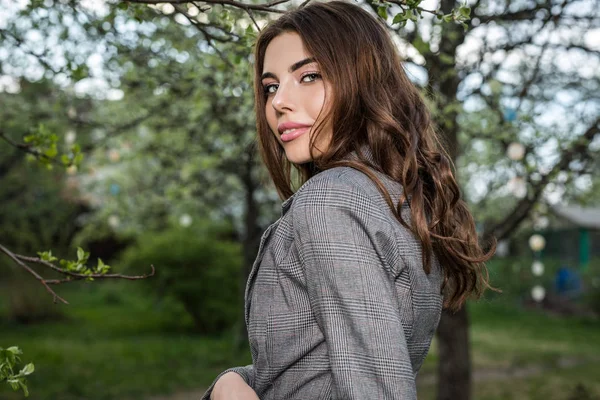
(366, 152)
(353, 155)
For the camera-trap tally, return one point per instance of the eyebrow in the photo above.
(292, 68)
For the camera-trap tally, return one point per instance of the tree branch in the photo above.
(521, 15)
(32, 272)
(269, 7)
(502, 229)
(40, 57)
(402, 4)
(209, 37)
(71, 276)
(30, 150)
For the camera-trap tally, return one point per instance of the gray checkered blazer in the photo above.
(337, 303)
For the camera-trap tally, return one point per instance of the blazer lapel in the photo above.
(366, 152)
(259, 256)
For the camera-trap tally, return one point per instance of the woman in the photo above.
(347, 289)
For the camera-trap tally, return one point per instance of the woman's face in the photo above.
(295, 93)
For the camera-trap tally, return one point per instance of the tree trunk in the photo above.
(252, 233)
(454, 366)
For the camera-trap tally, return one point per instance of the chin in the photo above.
(298, 158)
(297, 150)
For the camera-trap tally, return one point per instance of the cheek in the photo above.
(317, 104)
(272, 121)
(271, 118)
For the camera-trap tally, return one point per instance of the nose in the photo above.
(283, 99)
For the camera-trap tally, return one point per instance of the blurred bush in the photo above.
(36, 214)
(199, 267)
(26, 299)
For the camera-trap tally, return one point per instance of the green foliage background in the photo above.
(199, 268)
(164, 120)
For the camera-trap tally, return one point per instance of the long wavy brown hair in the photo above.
(375, 104)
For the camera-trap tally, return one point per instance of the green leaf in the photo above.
(51, 152)
(9, 359)
(24, 387)
(80, 72)
(28, 369)
(399, 18)
(123, 5)
(80, 254)
(102, 268)
(446, 59)
(78, 158)
(382, 11)
(14, 350)
(421, 46)
(465, 11)
(47, 256)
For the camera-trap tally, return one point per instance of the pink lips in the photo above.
(286, 137)
(299, 130)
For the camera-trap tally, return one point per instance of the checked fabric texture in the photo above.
(337, 304)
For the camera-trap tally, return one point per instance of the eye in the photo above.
(267, 89)
(311, 74)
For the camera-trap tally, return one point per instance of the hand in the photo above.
(231, 386)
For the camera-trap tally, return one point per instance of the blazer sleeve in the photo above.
(247, 373)
(348, 250)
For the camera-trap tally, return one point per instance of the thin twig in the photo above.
(81, 276)
(71, 276)
(209, 37)
(32, 272)
(21, 45)
(269, 7)
(403, 6)
(30, 150)
(251, 15)
(579, 150)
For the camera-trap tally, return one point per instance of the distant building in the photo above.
(574, 234)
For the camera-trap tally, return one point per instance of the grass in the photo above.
(558, 384)
(129, 348)
(118, 344)
(525, 354)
